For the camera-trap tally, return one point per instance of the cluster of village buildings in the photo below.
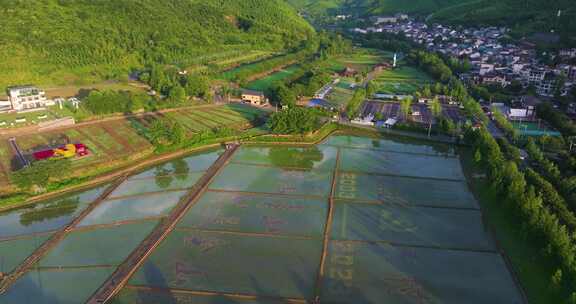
(492, 60)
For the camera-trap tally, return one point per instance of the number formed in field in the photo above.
(347, 186)
(341, 268)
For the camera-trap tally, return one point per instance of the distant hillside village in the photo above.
(492, 60)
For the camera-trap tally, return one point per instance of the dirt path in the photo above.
(130, 265)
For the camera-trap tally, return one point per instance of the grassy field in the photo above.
(118, 140)
(342, 92)
(247, 68)
(266, 82)
(403, 80)
(228, 59)
(362, 60)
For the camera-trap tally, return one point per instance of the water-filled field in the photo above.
(352, 220)
(73, 268)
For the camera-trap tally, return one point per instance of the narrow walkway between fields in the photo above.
(41, 251)
(123, 273)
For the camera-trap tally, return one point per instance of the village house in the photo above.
(24, 98)
(567, 53)
(348, 72)
(256, 98)
(492, 60)
(494, 79)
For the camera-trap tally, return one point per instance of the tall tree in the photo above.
(406, 107)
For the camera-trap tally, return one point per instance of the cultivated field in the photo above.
(384, 241)
(402, 81)
(342, 92)
(266, 82)
(362, 60)
(101, 241)
(119, 139)
(353, 220)
(228, 59)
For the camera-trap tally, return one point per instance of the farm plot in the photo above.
(401, 164)
(410, 226)
(268, 266)
(258, 233)
(228, 59)
(16, 251)
(246, 211)
(379, 273)
(319, 157)
(77, 266)
(46, 216)
(262, 214)
(65, 286)
(266, 82)
(396, 145)
(190, 123)
(362, 60)
(6, 157)
(341, 94)
(404, 191)
(272, 180)
(127, 136)
(102, 240)
(402, 81)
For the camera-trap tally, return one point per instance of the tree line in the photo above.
(542, 225)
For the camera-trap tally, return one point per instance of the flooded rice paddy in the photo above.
(352, 220)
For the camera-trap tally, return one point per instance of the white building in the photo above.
(27, 98)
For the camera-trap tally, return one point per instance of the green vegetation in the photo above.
(504, 124)
(523, 16)
(557, 119)
(37, 176)
(294, 120)
(548, 238)
(107, 102)
(265, 83)
(355, 103)
(246, 72)
(403, 80)
(75, 42)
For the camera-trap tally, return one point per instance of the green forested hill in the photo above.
(403, 6)
(373, 7)
(523, 16)
(67, 41)
(317, 7)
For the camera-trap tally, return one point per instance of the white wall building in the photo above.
(27, 98)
